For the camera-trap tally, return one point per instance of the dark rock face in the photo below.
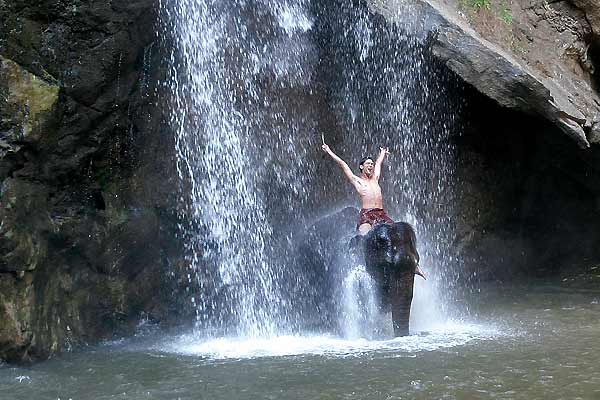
(86, 213)
(591, 8)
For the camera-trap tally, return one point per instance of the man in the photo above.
(367, 186)
(371, 199)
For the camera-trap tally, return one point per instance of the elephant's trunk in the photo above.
(401, 294)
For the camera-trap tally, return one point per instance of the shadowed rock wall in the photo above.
(86, 205)
(527, 198)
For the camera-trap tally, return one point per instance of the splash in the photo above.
(361, 315)
(394, 93)
(443, 336)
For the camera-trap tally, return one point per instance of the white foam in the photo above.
(443, 336)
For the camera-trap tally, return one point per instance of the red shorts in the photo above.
(373, 216)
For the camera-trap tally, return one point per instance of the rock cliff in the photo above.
(534, 56)
(527, 196)
(86, 228)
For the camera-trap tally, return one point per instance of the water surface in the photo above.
(520, 343)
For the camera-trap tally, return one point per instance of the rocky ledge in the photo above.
(539, 59)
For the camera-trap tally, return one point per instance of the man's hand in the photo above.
(385, 150)
(326, 148)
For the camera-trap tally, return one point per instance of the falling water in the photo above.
(361, 316)
(235, 144)
(253, 85)
(393, 93)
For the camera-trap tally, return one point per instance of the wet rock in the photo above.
(594, 136)
(28, 102)
(87, 206)
(16, 305)
(25, 225)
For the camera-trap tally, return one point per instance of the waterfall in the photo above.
(395, 94)
(251, 87)
(235, 143)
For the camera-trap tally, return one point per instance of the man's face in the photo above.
(367, 167)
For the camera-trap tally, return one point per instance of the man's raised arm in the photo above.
(341, 163)
(382, 153)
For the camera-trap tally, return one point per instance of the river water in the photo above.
(535, 341)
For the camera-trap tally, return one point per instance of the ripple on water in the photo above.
(443, 336)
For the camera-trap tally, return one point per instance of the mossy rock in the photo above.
(16, 305)
(28, 100)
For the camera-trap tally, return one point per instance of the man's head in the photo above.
(366, 166)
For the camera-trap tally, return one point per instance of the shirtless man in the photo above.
(367, 186)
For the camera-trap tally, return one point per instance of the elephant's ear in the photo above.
(412, 236)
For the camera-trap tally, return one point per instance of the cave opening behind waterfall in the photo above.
(528, 197)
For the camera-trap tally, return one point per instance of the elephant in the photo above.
(388, 252)
(391, 258)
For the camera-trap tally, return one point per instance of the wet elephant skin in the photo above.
(391, 258)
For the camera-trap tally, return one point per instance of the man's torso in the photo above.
(369, 192)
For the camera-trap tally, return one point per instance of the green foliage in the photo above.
(505, 15)
(499, 8)
(479, 4)
(516, 47)
(473, 6)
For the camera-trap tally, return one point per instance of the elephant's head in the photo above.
(392, 259)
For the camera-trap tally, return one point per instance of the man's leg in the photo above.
(364, 228)
(357, 242)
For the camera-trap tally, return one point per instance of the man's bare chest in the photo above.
(368, 187)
